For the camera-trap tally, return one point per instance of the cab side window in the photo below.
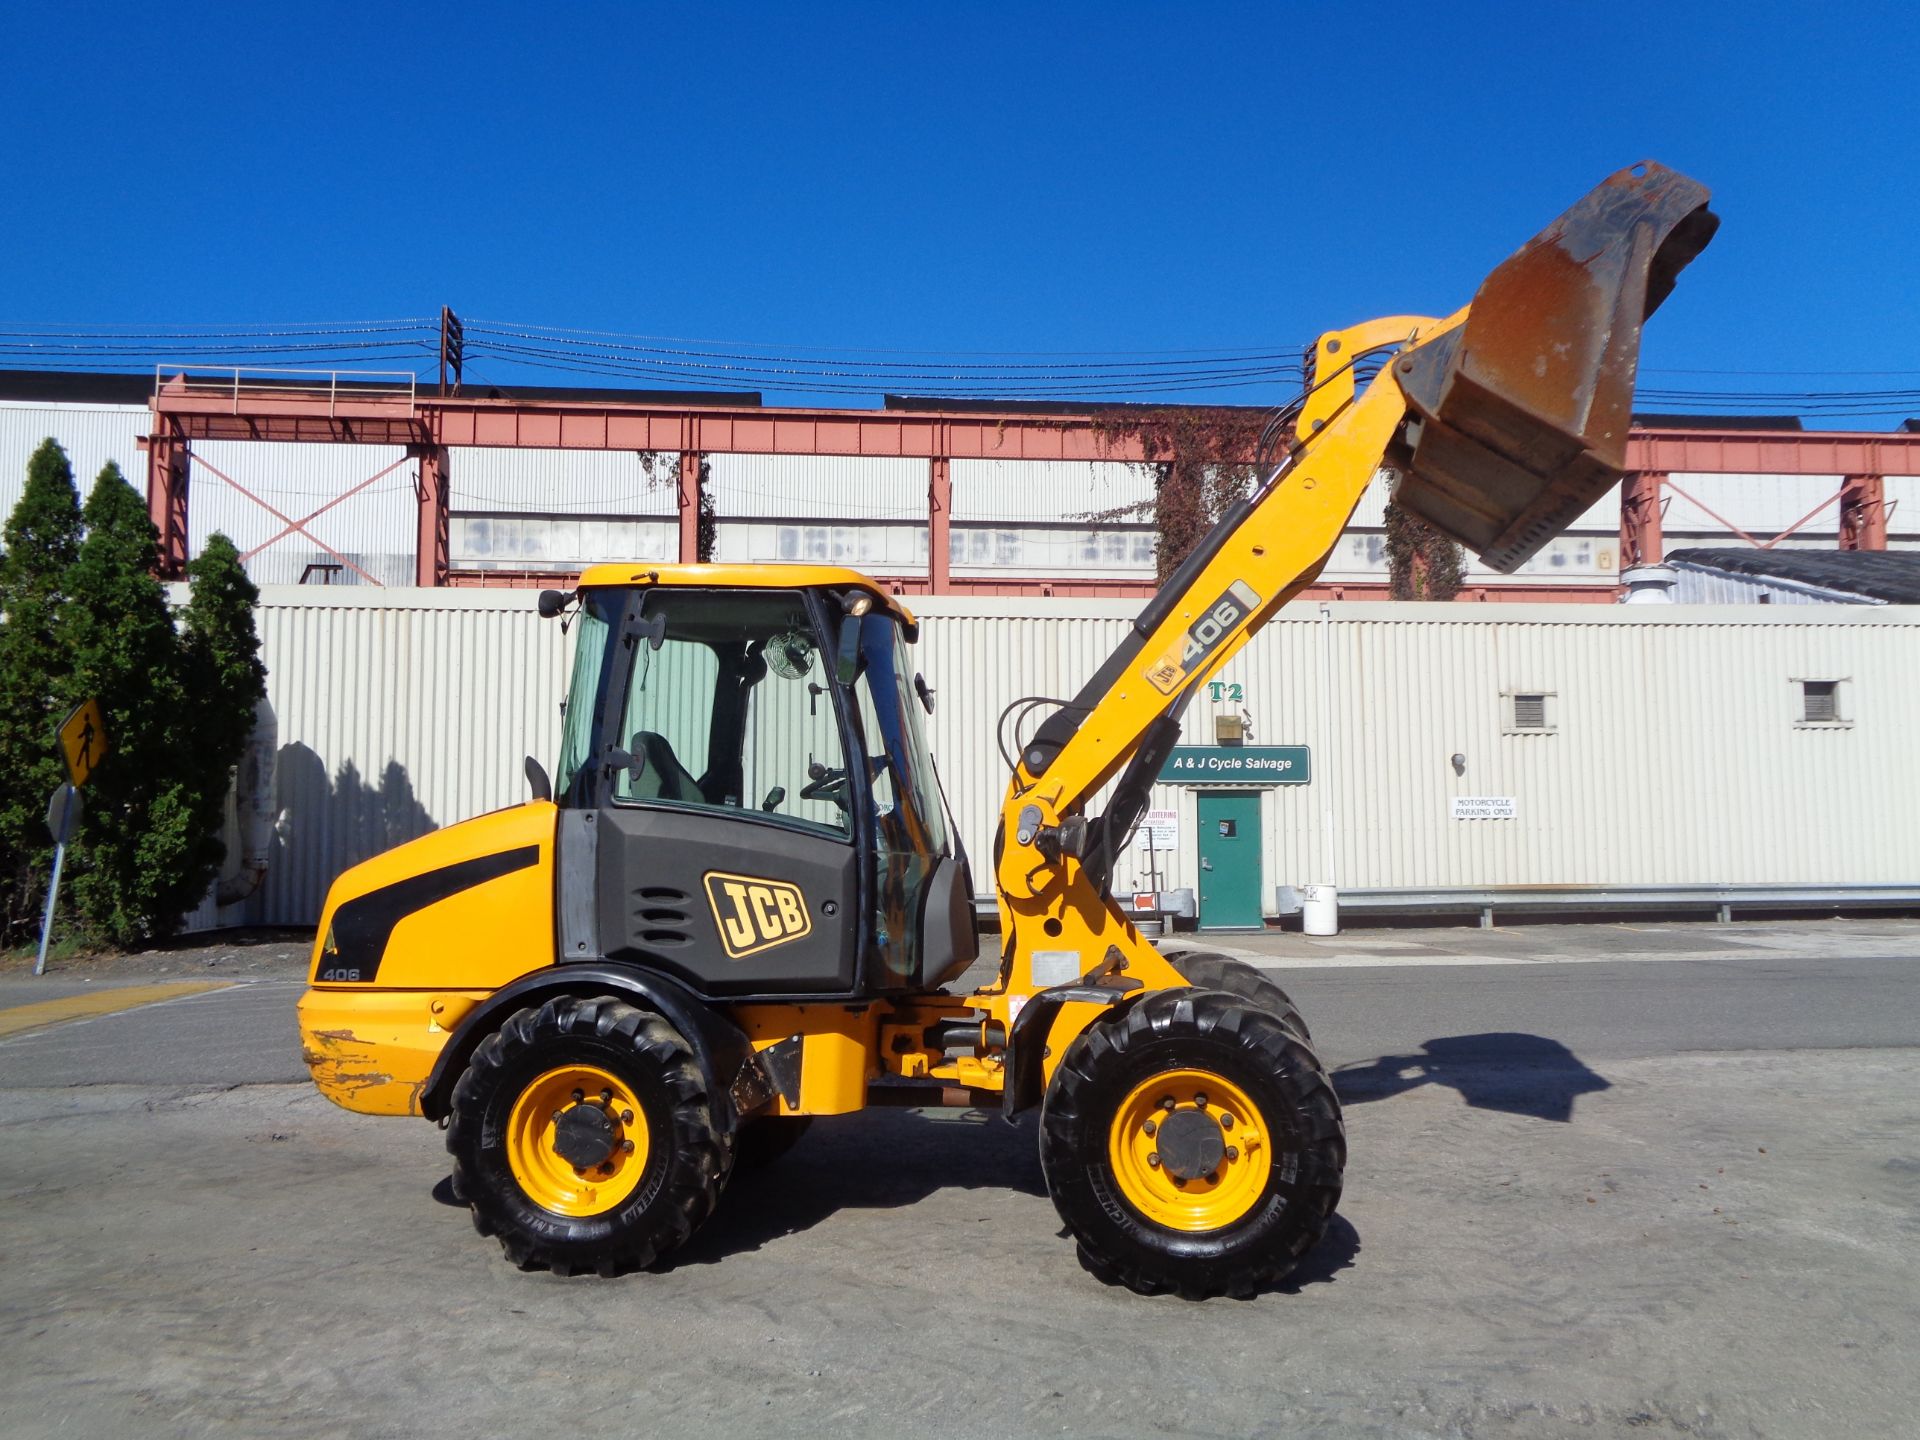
(733, 709)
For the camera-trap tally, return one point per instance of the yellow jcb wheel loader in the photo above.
(740, 900)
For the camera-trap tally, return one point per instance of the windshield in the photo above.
(910, 823)
(905, 788)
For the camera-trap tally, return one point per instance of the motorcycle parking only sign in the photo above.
(1485, 807)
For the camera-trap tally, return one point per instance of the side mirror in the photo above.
(552, 602)
(652, 629)
(923, 690)
(847, 662)
(632, 761)
(537, 780)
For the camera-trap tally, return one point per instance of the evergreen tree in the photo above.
(225, 681)
(137, 837)
(42, 541)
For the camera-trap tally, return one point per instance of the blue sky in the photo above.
(971, 178)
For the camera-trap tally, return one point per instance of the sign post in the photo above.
(1159, 830)
(83, 745)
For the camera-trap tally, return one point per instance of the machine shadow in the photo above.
(1337, 1251)
(1513, 1072)
(872, 1160)
(886, 1159)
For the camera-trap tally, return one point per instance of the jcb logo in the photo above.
(1203, 637)
(755, 914)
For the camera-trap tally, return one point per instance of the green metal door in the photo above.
(1229, 859)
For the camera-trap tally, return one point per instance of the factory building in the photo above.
(1407, 757)
(349, 509)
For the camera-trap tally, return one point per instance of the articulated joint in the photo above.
(1040, 849)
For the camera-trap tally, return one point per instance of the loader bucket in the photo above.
(1517, 421)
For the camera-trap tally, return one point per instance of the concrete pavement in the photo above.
(1597, 1198)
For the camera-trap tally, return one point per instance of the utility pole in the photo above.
(453, 350)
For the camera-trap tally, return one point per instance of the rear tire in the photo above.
(566, 1077)
(1211, 971)
(1248, 1208)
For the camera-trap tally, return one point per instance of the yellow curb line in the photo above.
(99, 1002)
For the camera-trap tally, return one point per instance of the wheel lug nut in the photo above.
(578, 1096)
(1226, 1120)
(1153, 1161)
(1166, 1102)
(1233, 1152)
(627, 1145)
(605, 1095)
(626, 1117)
(607, 1169)
(1200, 1099)
(557, 1114)
(1149, 1127)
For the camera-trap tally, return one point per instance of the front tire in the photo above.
(1193, 1144)
(583, 1137)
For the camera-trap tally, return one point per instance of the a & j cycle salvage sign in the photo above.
(1237, 765)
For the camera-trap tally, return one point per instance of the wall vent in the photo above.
(1528, 712)
(1819, 702)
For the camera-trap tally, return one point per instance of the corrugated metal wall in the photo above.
(374, 527)
(864, 511)
(560, 482)
(556, 510)
(398, 712)
(1717, 587)
(1000, 491)
(91, 435)
(823, 487)
(1675, 756)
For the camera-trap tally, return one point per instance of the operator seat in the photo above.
(664, 777)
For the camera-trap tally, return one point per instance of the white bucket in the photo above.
(1320, 909)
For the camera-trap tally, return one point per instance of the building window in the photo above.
(1822, 705)
(1529, 712)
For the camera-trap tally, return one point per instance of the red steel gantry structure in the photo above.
(347, 410)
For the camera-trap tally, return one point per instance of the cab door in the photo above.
(711, 850)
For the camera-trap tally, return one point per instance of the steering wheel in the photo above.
(824, 783)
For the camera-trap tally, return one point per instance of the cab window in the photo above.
(732, 711)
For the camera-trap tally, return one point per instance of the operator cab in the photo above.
(748, 803)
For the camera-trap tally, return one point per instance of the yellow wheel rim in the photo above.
(537, 1126)
(1201, 1117)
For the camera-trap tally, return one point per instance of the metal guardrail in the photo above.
(1723, 900)
(389, 388)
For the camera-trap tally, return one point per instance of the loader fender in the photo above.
(1036, 1040)
(736, 1081)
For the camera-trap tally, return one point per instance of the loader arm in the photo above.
(1504, 421)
